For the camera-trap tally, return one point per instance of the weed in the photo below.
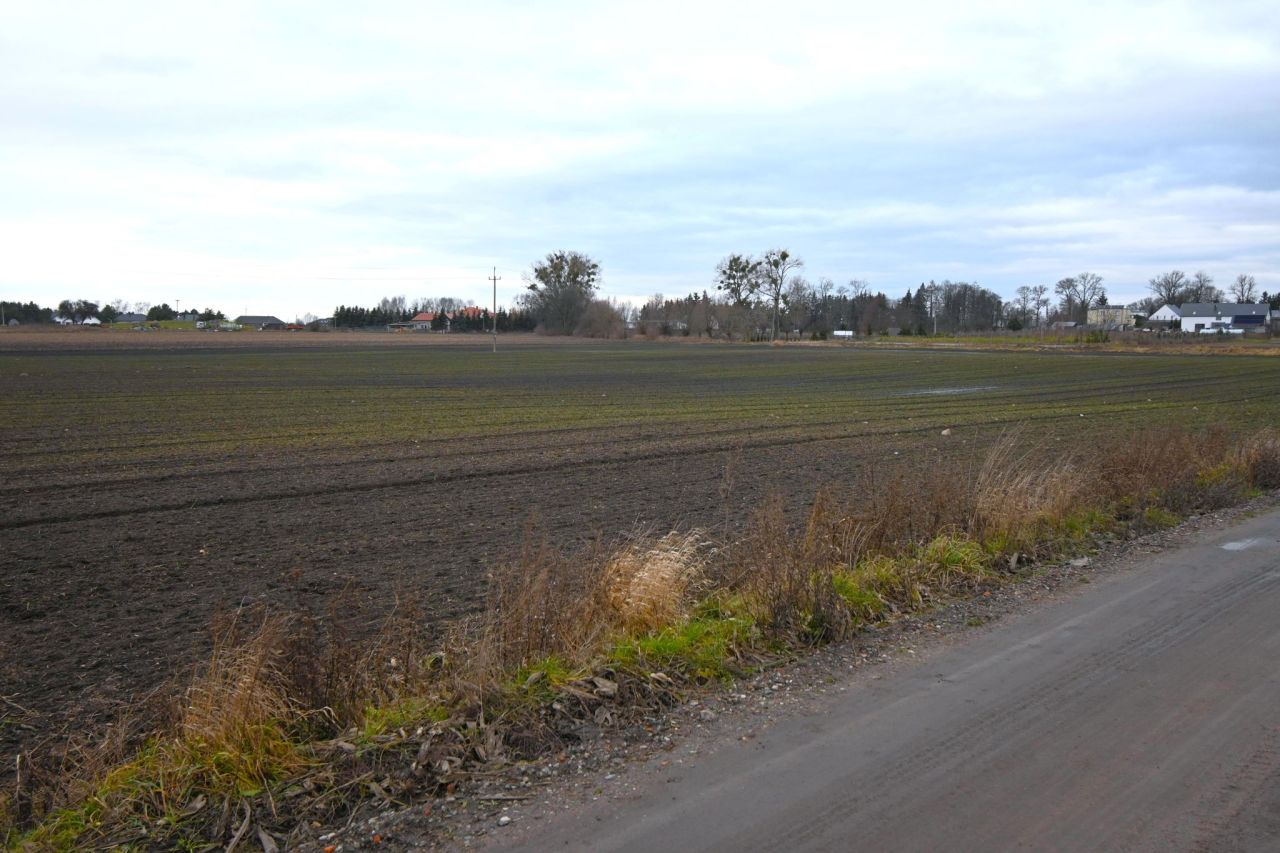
(406, 713)
(1157, 518)
(703, 648)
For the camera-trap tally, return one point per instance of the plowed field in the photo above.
(144, 488)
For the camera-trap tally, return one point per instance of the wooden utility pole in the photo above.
(495, 278)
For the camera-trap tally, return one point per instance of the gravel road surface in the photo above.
(1140, 714)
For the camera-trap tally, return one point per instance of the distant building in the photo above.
(187, 317)
(1210, 317)
(260, 322)
(422, 321)
(1169, 315)
(131, 317)
(1110, 317)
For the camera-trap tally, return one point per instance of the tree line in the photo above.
(449, 313)
(79, 310)
(753, 298)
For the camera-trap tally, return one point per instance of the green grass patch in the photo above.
(537, 682)
(864, 603)
(1158, 518)
(400, 714)
(1078, 527)
(704, 648)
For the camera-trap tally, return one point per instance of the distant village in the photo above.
(754, 298)
(1206, 318)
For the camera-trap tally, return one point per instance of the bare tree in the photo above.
(776, 268)
(1041, 294)
(1025, 302)
(932, 301)
(1068, 291)
(1201, 289)
(1092, 293)
(1146, 307)
(601, 319)
(1168, 289)
(1244, 289)
(1080, 293)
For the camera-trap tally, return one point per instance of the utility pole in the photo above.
(495, 278)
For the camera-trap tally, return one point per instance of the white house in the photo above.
(1210, 317)
(1170, 314)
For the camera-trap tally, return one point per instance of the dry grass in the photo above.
(584, 634)
(649, 588)
(1259, 458)
(788, 578)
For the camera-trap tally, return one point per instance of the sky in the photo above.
(287, 157)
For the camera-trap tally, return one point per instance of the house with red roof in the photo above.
(423, 320)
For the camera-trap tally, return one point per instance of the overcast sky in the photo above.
(287, 157)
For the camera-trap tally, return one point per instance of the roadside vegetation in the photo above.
(290, 722)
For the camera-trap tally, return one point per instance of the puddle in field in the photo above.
(940, 392)
(1239, 546)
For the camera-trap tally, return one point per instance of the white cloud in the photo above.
(267, 153)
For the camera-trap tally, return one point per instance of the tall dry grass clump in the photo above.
(234, 720)
(549, 604)
(650, 587)
(1016, 489)
(543, 603)
(326, 665)
(1259, 457)
(230, 736)
(787, 579)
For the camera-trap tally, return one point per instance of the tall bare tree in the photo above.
(1244, 288)
(1025, 303)
(1092, 293)
(776, 268)
(1068, 297)
(1201, 289)
(1168, 288)
(1041, 294)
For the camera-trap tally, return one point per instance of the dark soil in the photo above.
(127, 525)
(112, 583)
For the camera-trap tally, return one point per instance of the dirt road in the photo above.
(1140, 714)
